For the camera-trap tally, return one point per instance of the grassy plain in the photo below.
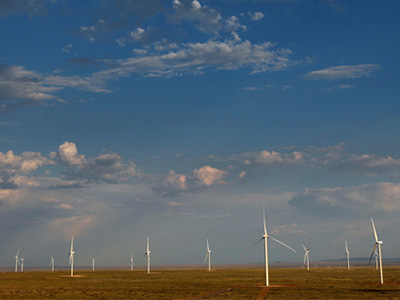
(320, 283)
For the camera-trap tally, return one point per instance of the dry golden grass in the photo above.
(321, 283)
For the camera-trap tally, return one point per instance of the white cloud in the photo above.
(26, 162)
(194, 58)
(18, 83)
(209, 175)
(256, 16)
(344, 72)
(375, 198)
(177, 181)
(137, 34)
(370, 164)
(68, 154)
(205, 19)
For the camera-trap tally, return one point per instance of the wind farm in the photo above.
(256, 142)
(191, 282)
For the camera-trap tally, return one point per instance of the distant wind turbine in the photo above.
(306, 257)
(347, 254)
(52, 263)
(148, 255)
(209, 256)
(71, 256)
(265, 237)
(22, 264)
(92, 263)
(378, 244)
(16, 261)
(132, 262)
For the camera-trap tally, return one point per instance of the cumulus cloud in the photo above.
(206, 19)
(344, 72)
(256, 16)
(209, 175)
(68, 154)
(25, 162)
(376, 198)
(201, 178)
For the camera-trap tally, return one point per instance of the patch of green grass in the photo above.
(321, 283)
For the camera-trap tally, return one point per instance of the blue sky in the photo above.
(178, 119)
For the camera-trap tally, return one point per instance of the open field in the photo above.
(320, 283)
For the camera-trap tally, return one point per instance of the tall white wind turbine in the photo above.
(22, 264)
(132, 262)
(378, 244)
(209, 256)
(51, 264)
(92, 263)
(347, 254)
(71, 256)
(306, 257)
(265, 237)
(148, 255)
(16, 261)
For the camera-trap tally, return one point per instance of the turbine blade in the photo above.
(208, 246)
(304, 247)
(252, 246)
(148, 244)
(282, 243)
(347, 249)
(373, 227)
(206, 258)
(305, 257)
(265, 223)
(373, 252)
(17, 252)
(72, 244)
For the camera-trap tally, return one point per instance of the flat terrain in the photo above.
(320, 283)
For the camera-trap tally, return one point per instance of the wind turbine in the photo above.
(92, 263)
(148, 255)
(52, 263)
(22, 264)
(378, 244)
(265, 237)
(347, 254)
(209, 256)
(71, 256)
(306, 257)
(132, 262)
(16, 261)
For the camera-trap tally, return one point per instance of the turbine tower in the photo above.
(132, 262)
(52, 263)
(16, 261)
(347, 254)
(306, 257)
(209, 256)
(148, 255)
(22, 264)
(376, 259)
(71, 256)
(378, 244)
(265, 237)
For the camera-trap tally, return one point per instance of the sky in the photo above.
(178, 120)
